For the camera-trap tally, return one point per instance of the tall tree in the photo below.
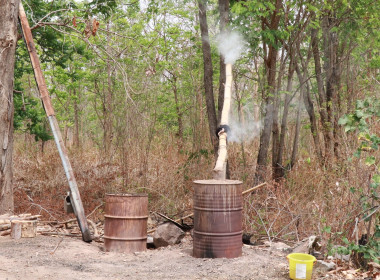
(270, 25)
(8, 41)
(208, 74)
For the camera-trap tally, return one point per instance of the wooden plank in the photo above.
(40, 80)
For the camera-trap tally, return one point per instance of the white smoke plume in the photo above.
(231, 45)
(243, 132)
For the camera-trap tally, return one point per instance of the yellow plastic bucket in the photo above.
(300, 266)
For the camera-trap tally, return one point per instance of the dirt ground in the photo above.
(48, 257)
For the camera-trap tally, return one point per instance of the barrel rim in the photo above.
(126, 194)
(217, 182)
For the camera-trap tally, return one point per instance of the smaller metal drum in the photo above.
(125, 226)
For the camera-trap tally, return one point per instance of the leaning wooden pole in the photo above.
(221, 162)
(40, 80)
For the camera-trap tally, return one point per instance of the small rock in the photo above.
(308, 246)
(324, 267)
(337, 256)
(167, 234)
(278, 246)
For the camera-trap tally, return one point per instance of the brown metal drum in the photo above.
(125, 226)
(218, 206)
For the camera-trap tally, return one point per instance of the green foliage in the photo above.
(370, 251)
(102, 7)
(362, 120)
(56, 54)
(29, 117)
(367, 112)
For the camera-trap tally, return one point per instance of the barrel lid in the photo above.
(217, 182)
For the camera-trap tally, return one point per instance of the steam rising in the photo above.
(231, 45)
(243, 132)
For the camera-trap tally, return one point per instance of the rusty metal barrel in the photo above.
(125, 226)
(218, 206)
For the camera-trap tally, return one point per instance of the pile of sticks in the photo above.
(69, 228)
(53, 228)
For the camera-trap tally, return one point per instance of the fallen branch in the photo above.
(60, 234)
(56, 247)
(93, 211)
(175, 221)
(171, 220)
(49, 222)
(34, 217)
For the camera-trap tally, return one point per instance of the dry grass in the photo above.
(310, 199)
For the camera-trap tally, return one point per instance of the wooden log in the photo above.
(33, 217)
(16, 230)
(5, 232)
(5, 216)
(5, 227)
(23, 229)
(5, 221)
(23, 215)
(20, 217)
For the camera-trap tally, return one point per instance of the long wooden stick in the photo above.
(221, 162)
(40, 80)
(254, 188)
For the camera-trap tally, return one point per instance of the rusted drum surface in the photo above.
(218, 206)
(125, 226)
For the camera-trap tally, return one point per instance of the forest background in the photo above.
(138, 88)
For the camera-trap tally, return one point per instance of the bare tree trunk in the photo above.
(309, 106)
(296, 136)
(8, 41)
(280, 170)
(108, 106)
(322, 98)
(224, 8)
(256, 107)
(208, 73)
(76, 122)
(270, 66)
(333, 72)
(241, 118)
(276, 165)
(179, 113)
